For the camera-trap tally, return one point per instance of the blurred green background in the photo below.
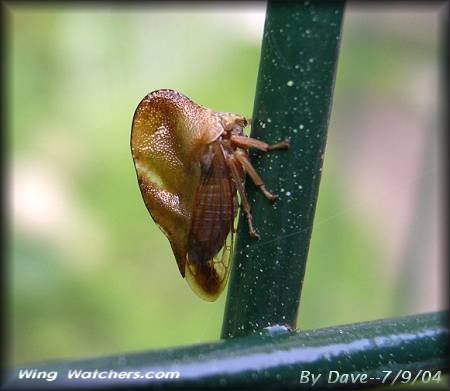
(90, 272)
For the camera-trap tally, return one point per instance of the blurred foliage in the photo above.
(101, 278)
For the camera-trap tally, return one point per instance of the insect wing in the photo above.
(211, 226)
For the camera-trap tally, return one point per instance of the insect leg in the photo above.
(281, 145)
(233, 164)
(248, 142)
(242, 157)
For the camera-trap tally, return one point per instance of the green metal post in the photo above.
(416, 345)
(293, 101)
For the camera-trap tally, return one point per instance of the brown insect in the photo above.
(190, 163)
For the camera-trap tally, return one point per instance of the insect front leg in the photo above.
(234, 169)
(248, 142)
(242, 157)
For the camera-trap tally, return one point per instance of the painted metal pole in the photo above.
(293, 101)
(384, 350)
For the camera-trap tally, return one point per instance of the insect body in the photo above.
(190, 163)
